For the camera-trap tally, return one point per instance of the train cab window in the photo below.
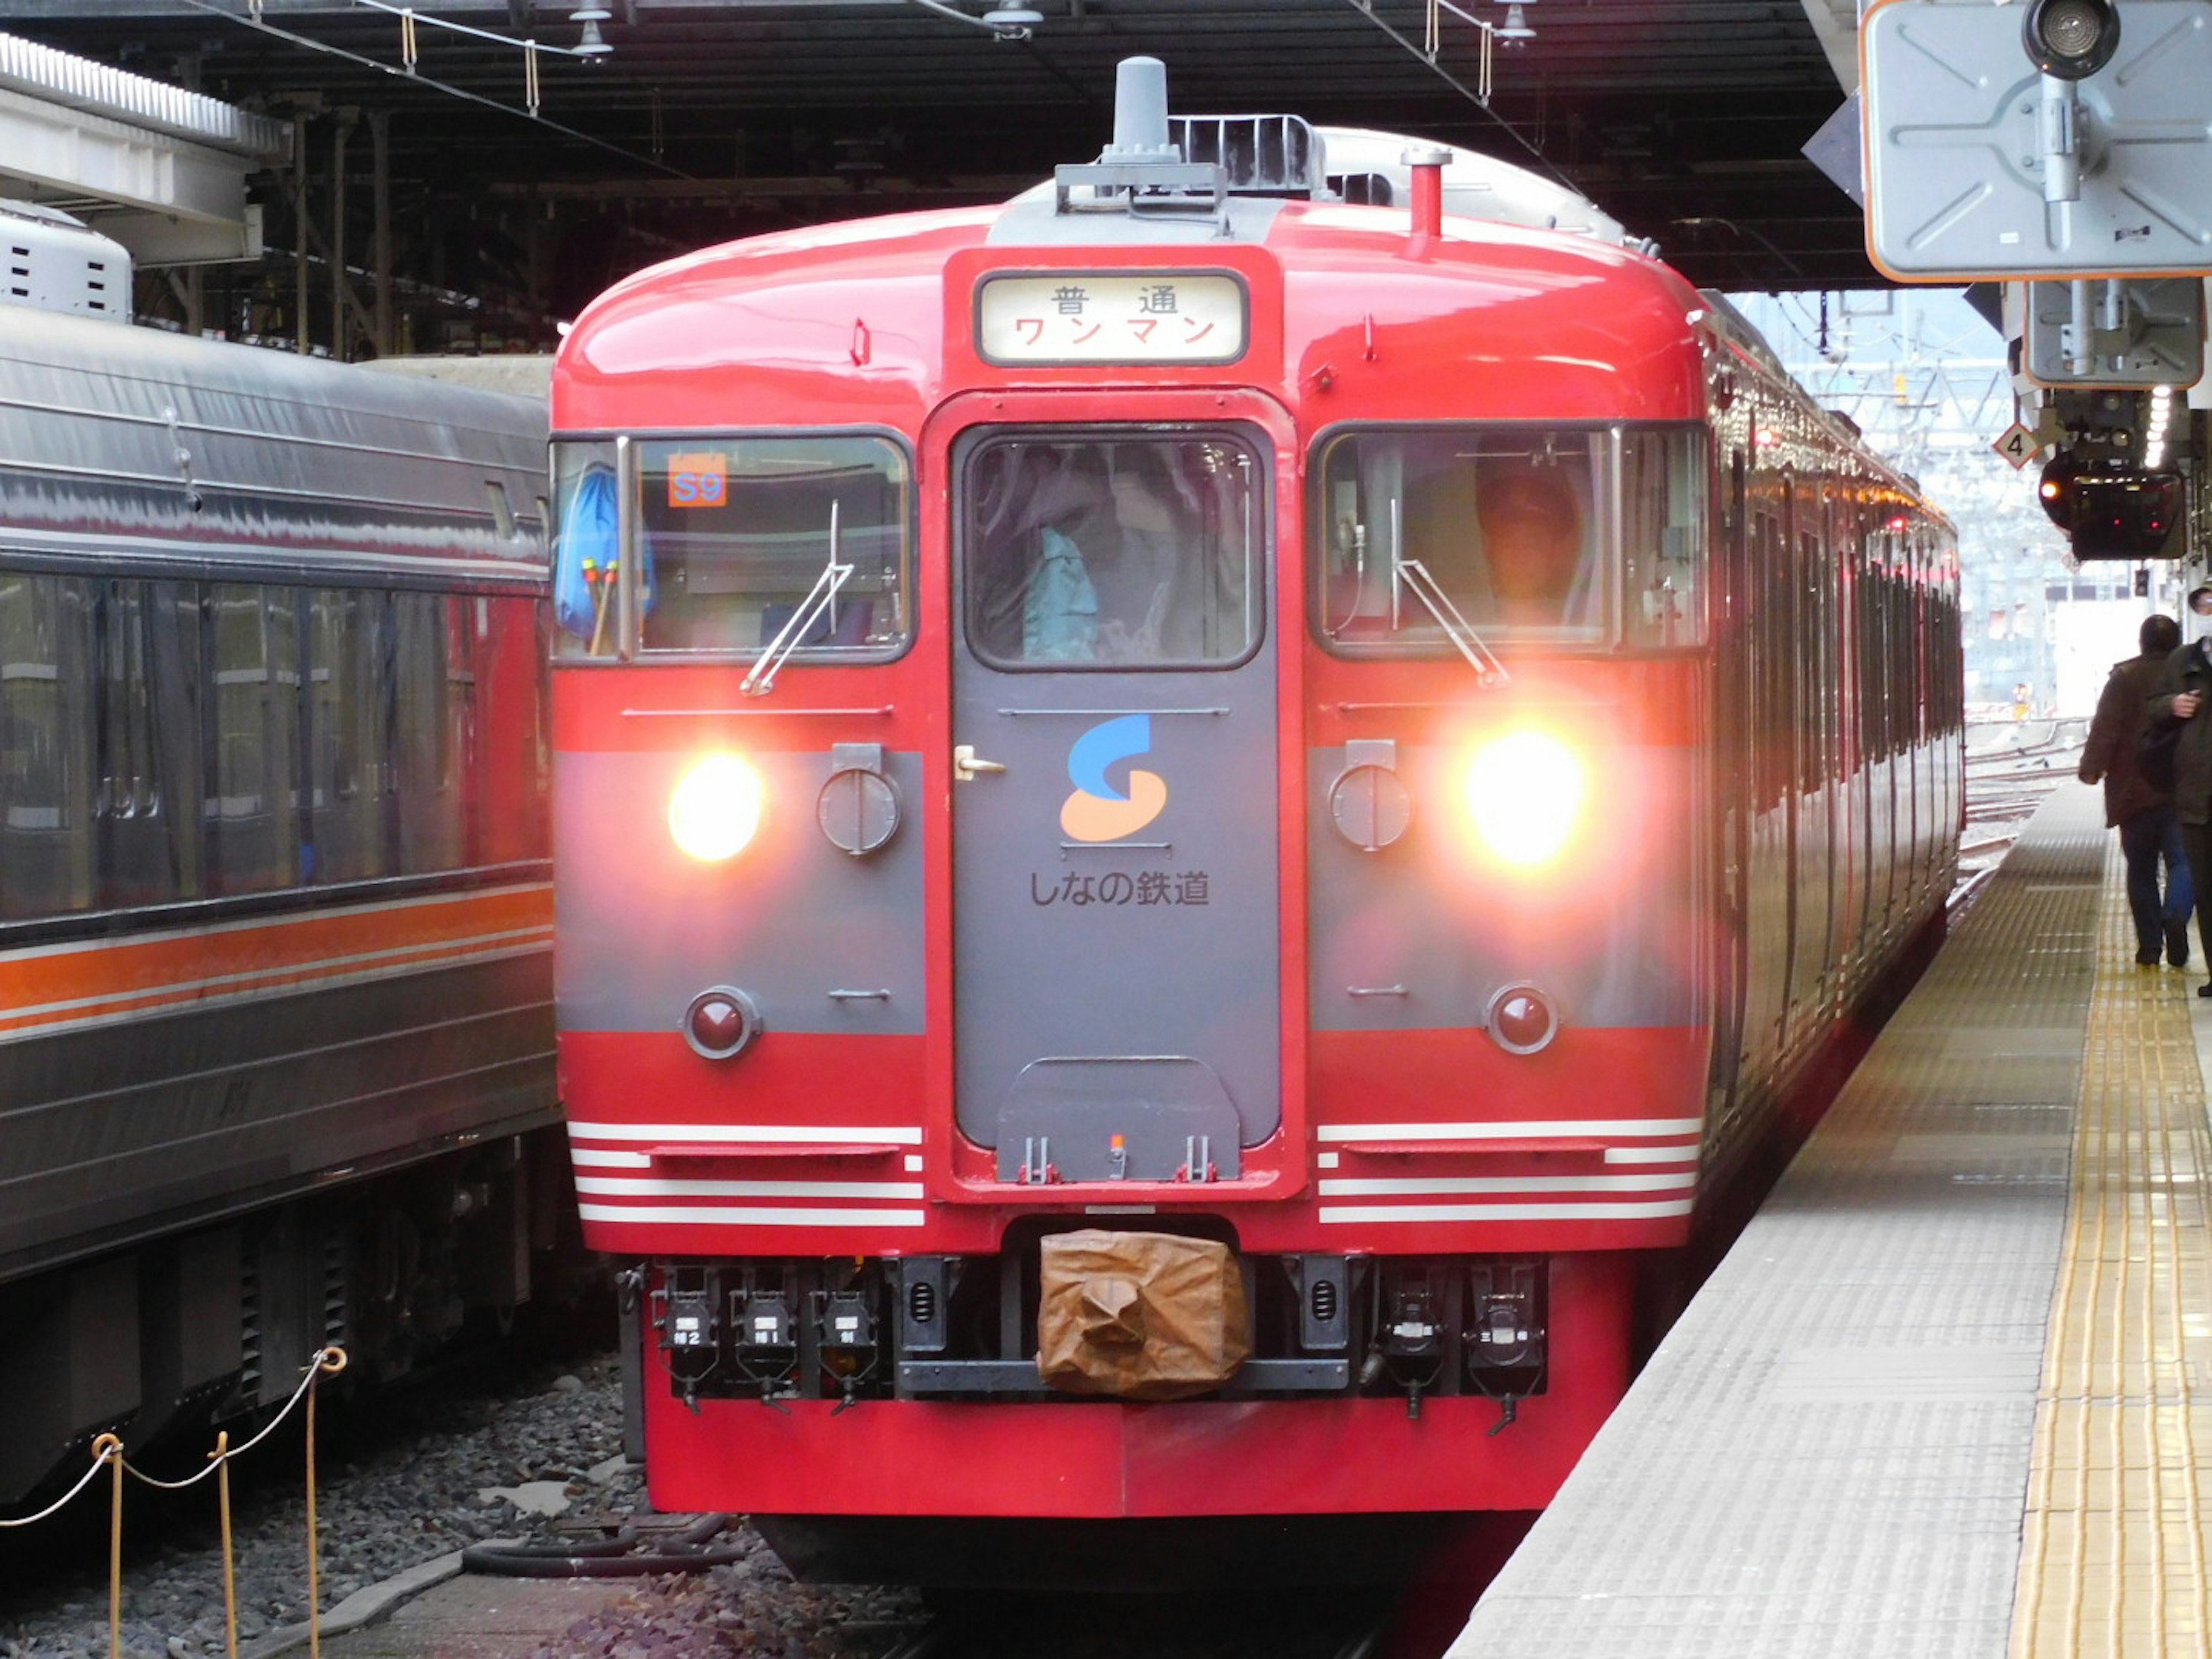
(1111, 551)
(586, 554)
(1424, 535)
(800, 541)
(48, 745)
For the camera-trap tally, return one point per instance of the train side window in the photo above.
(434, 730)
(252, 805)
(1662, 510)
(509, 820)
(177, 697)
(48, 745)
(1106, 550)
(587, 553)
(349, 684)
(1423, 534)
(138, 857)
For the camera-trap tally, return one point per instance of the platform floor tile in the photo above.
(1833, 1452)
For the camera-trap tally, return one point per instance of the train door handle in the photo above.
(966, 764)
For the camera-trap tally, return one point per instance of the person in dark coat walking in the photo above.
(2142, 812)
(2179, 695)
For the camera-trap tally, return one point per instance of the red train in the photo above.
(1214, 700)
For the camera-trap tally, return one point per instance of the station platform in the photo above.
(1951, 1391)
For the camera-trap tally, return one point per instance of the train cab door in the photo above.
(1115, 819)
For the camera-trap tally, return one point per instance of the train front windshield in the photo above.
(1113, 551)
(1514, 533)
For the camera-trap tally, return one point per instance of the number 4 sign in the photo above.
(2018, 445)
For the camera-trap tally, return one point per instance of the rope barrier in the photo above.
(107, 1453)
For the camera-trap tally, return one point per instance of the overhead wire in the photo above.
(1543, 161)
(263, 27)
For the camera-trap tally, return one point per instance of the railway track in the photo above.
(2011, 770)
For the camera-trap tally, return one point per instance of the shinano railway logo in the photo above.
(1097, 811)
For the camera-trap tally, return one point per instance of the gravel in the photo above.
(410, 1477)
(422, 1475)
(749, 1608)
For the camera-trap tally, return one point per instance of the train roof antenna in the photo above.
(1140, 113)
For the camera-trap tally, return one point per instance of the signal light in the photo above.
(2071, 39)
(2112, 516)
(2057, 490)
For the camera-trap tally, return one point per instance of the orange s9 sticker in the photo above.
(699, 480)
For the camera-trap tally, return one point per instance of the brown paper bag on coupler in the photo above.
(1141, 1315)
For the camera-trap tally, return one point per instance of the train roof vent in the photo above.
(1362, 189)
(57, 263)
(1260, 155)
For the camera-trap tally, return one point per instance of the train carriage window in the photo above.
(139, 857)
(1111, 551)
(177, 695)
(1662, 488)
(48, 752)
(253, 804)
(435, 731)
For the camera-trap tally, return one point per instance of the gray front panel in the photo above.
(794, 920)
(1160, 943)
(1419, 935)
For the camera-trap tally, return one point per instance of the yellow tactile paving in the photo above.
(2119, 1529)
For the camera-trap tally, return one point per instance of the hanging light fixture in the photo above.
(1011, 22)
(1516, 30)
(590, 45)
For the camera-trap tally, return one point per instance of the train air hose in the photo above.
(629, 1553)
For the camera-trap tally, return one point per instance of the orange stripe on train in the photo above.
(105, 975)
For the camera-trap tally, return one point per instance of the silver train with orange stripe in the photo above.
(276, 1046)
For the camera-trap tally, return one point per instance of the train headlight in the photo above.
(715, 809)
(1525, 794)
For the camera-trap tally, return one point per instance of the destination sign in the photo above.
(1096, 317)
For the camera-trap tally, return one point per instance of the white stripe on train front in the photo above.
(1687, 1154)
(1542, 1129)
(1385, 1186)
(740, 1135)
(616, 1186)
(1506, 1211)
(730, 1215)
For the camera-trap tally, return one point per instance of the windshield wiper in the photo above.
(1414, 576)
(821, 598)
